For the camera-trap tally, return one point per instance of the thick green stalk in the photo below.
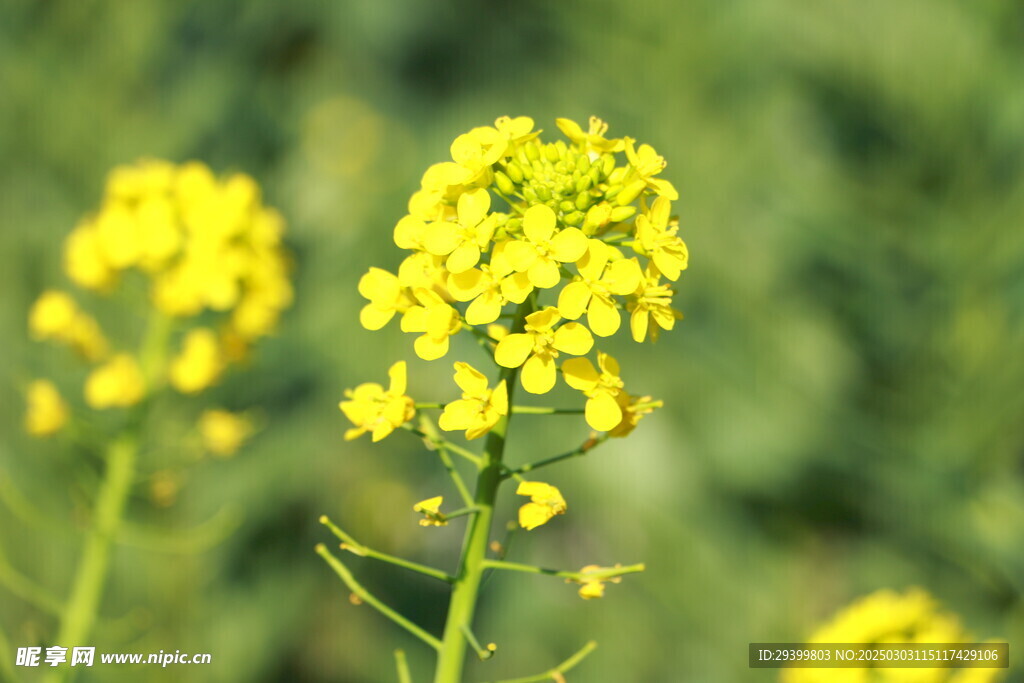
(87, 588)
(466, 588)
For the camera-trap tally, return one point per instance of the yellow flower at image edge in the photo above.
(431, 509)
(374, 410)
(479, 409)
(117, 384)
(546, 501)
(46, 411)
(224, 432)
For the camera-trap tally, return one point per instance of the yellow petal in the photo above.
(573, 338)
(499, 399)
(470, 380)
(660, 212)
(516, 287)
(463, 258)
(603, 412)
(593, 261)
(397, 373)
(379, 284)
(441, 238)
(573, 300)
(533, 515)
(603, 317)
(415, 320)
(430, 349)
(538, 374)
(429, 505)
(580, 374)
(543, 320)
(485, 309)
(623, 277)
(608, 364)
(381, 430)
(409, 232)
(669, 265)
(373, 318)
(466, 285)
(512, 351)
(664, 188)
(544, 273)
(638, 325)
(569, 245)
(520, 254)
(459, 415)
(473, 206)
(571, 129)
(591, 589)
(539, 223)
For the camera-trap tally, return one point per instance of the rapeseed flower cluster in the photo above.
(889, 617)
(210, 255)
(584, 223)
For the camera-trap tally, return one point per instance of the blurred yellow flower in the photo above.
(546, 501)
(480, 407)
(592, 584)
(599, 279)
(224, 432)
(199, 364)
(537, 348)
(431, 509)
(116, 384)
(602, 389)
(55, 315)
(46, 412)
(374, 410)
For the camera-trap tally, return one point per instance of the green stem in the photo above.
(437, 442)
(462, 605)
(587, 446)
(403, 667)
(26, 589)
(430, 430)
(366, 596)
(600, 574)
(356, 548)
(87, 586)
(555, 674)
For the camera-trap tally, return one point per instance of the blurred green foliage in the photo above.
(843, 401)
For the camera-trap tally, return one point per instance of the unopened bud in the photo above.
(515, 172)
(631, 192)
(622, 213)
(504, 183)
(583, 201)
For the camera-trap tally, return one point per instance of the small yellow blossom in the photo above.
(463, 241)
(599, 279)
(489, 287)
(224, 432)
(431, 509)
(116, 384)
(656, 234)
(436, 320)
(647, 164)
(200, 363)
(593, 140)
(544, 248)
(477, 150)
(46, 412)
(602, 389)
(652, 302)
(592, 586)
(517, 130)
(538, 346)
(84, 261)
(386, 295)
(372, 409)
(633, 408)
(546, 501)
(423, 270)
(55, 316)
(479, 409)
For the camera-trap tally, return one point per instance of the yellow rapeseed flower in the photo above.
(224, 432)
(601, 388)
(46, 412)
(633, 408)
(464, 240)
(591, 583)
(489, 287)
(55, 315)
(543, 249)
(387, 296)
(435, 320)
(652, 302)
(656, 234)
(199, 364)
(539, 345)
(431, 509)
(116, 384)
(599, 279)
(593, 140)
(477, 150)
(546, 501)
(646, 164)
(372, 409)
(480, 407)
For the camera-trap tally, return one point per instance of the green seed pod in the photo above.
(515, 172)
(574, 219)
(583, 201)
(631, 192)
(504, 183)
(622, 213)
(584, 183)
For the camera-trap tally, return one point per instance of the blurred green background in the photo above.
(844, 399)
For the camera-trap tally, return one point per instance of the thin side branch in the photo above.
(356, 548)
(555, 674)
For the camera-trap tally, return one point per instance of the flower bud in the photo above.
(583, 201)
(504, 183)
(631, 192)
(574, 219)
(584, 183)
(532, 152)
(622, 213)
(514, 171)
